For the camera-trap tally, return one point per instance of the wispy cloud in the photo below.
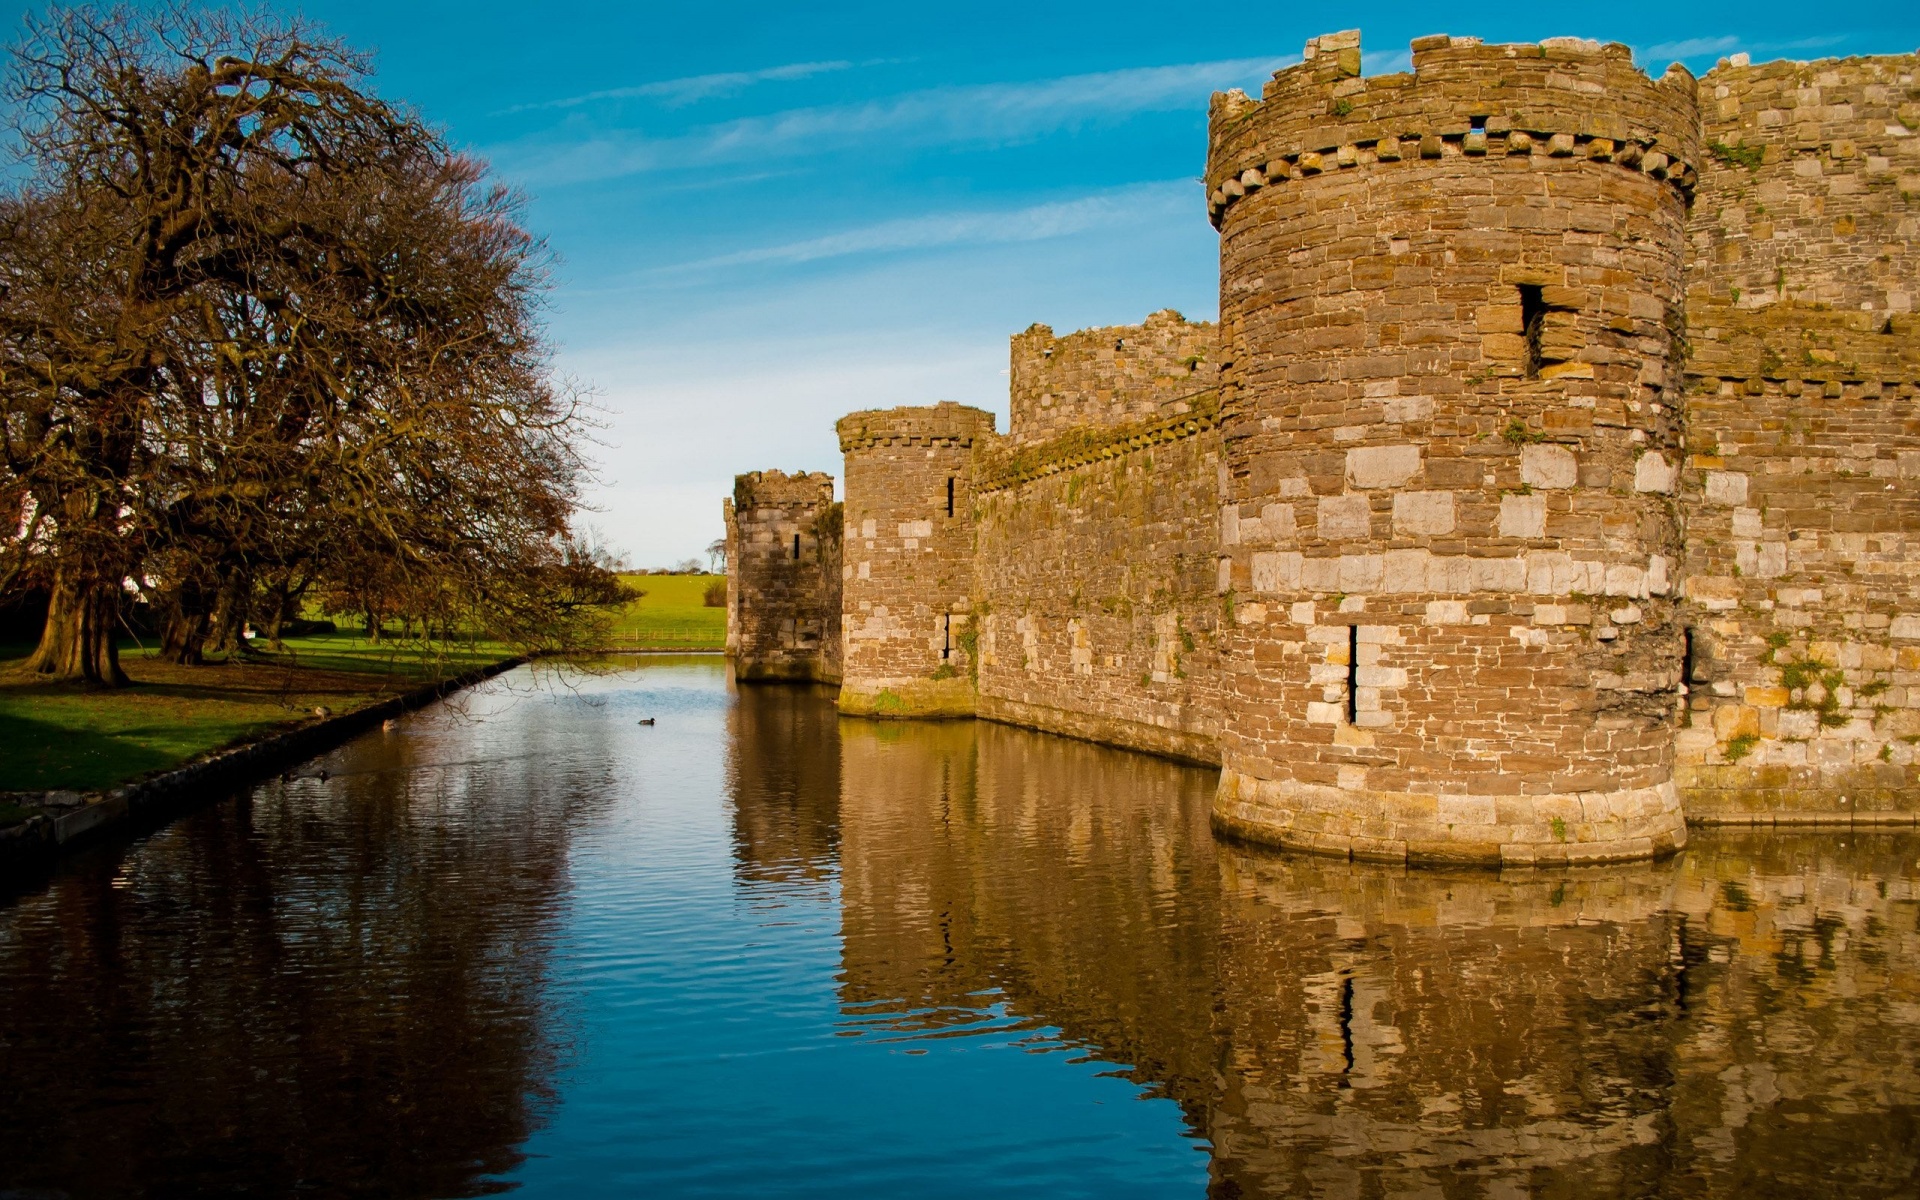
(1694, 47)
(971, 114)
(1727, 43)
(1040, 222)
(1385, 62)
(1810, 43)
(675, 92)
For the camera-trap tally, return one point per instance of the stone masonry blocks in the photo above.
(1539, 384)
(1525, 298)
(907, 575)
(783, 577)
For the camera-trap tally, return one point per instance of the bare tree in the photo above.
(261, 329)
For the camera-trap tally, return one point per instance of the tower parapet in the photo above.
(1564, 99)
(906, 608)
(783, 576)
(1451, 304)
(1103, 378)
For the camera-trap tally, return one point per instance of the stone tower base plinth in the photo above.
(908, 698)
(1549, 830)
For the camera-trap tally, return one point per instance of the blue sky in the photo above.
(770, 215)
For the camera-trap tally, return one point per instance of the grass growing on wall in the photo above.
(673, 615)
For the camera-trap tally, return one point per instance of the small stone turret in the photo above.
(1451, 302)
(783, 577)
(909, 560)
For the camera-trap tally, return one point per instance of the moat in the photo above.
(524, 942)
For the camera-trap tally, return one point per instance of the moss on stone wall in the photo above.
(919, 699)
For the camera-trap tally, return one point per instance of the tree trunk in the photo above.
(230, 616)
(185, 634)
(78, 640)
(283, 608)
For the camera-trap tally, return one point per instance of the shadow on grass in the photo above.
(42, 756)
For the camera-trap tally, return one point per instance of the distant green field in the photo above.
(671, 616)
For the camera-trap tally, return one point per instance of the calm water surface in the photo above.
(528, 944)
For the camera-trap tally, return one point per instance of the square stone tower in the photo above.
(783, 577)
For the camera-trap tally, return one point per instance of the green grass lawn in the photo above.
(672, 615)
(55, 735)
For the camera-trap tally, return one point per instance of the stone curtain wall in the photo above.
(1102, 378)
(1803, 478)
(1808, 178)
(1095, 591)
(1452, 301)
(909, 559)
(783, 577)
(1540, 384)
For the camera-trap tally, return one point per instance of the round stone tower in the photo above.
(1451, 303)
(908, 572)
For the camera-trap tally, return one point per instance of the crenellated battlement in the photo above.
(777, 489)
(1550, 480)
(942, 424)
(1562, 101)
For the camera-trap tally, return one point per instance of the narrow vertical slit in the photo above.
(1346, 1026)
(949, 495)
(946, 637)
(1686, 673)
(1682, 980)
(1353, 674)
(796, 547)
(1533, 318)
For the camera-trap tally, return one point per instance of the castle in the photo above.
(1552, 477)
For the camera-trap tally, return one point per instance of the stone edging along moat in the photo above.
(40, 839)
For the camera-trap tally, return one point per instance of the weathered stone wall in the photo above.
(1094, 582)
(1808, 178)
(1534, 391)
(1802, 488)
(1451, 302)
(783, 577)
(1097, 379)
(909, 559)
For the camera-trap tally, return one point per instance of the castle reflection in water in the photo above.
(1744, 1015)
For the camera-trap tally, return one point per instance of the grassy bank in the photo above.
(56, 735)
(65, 736)
(671, 616)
